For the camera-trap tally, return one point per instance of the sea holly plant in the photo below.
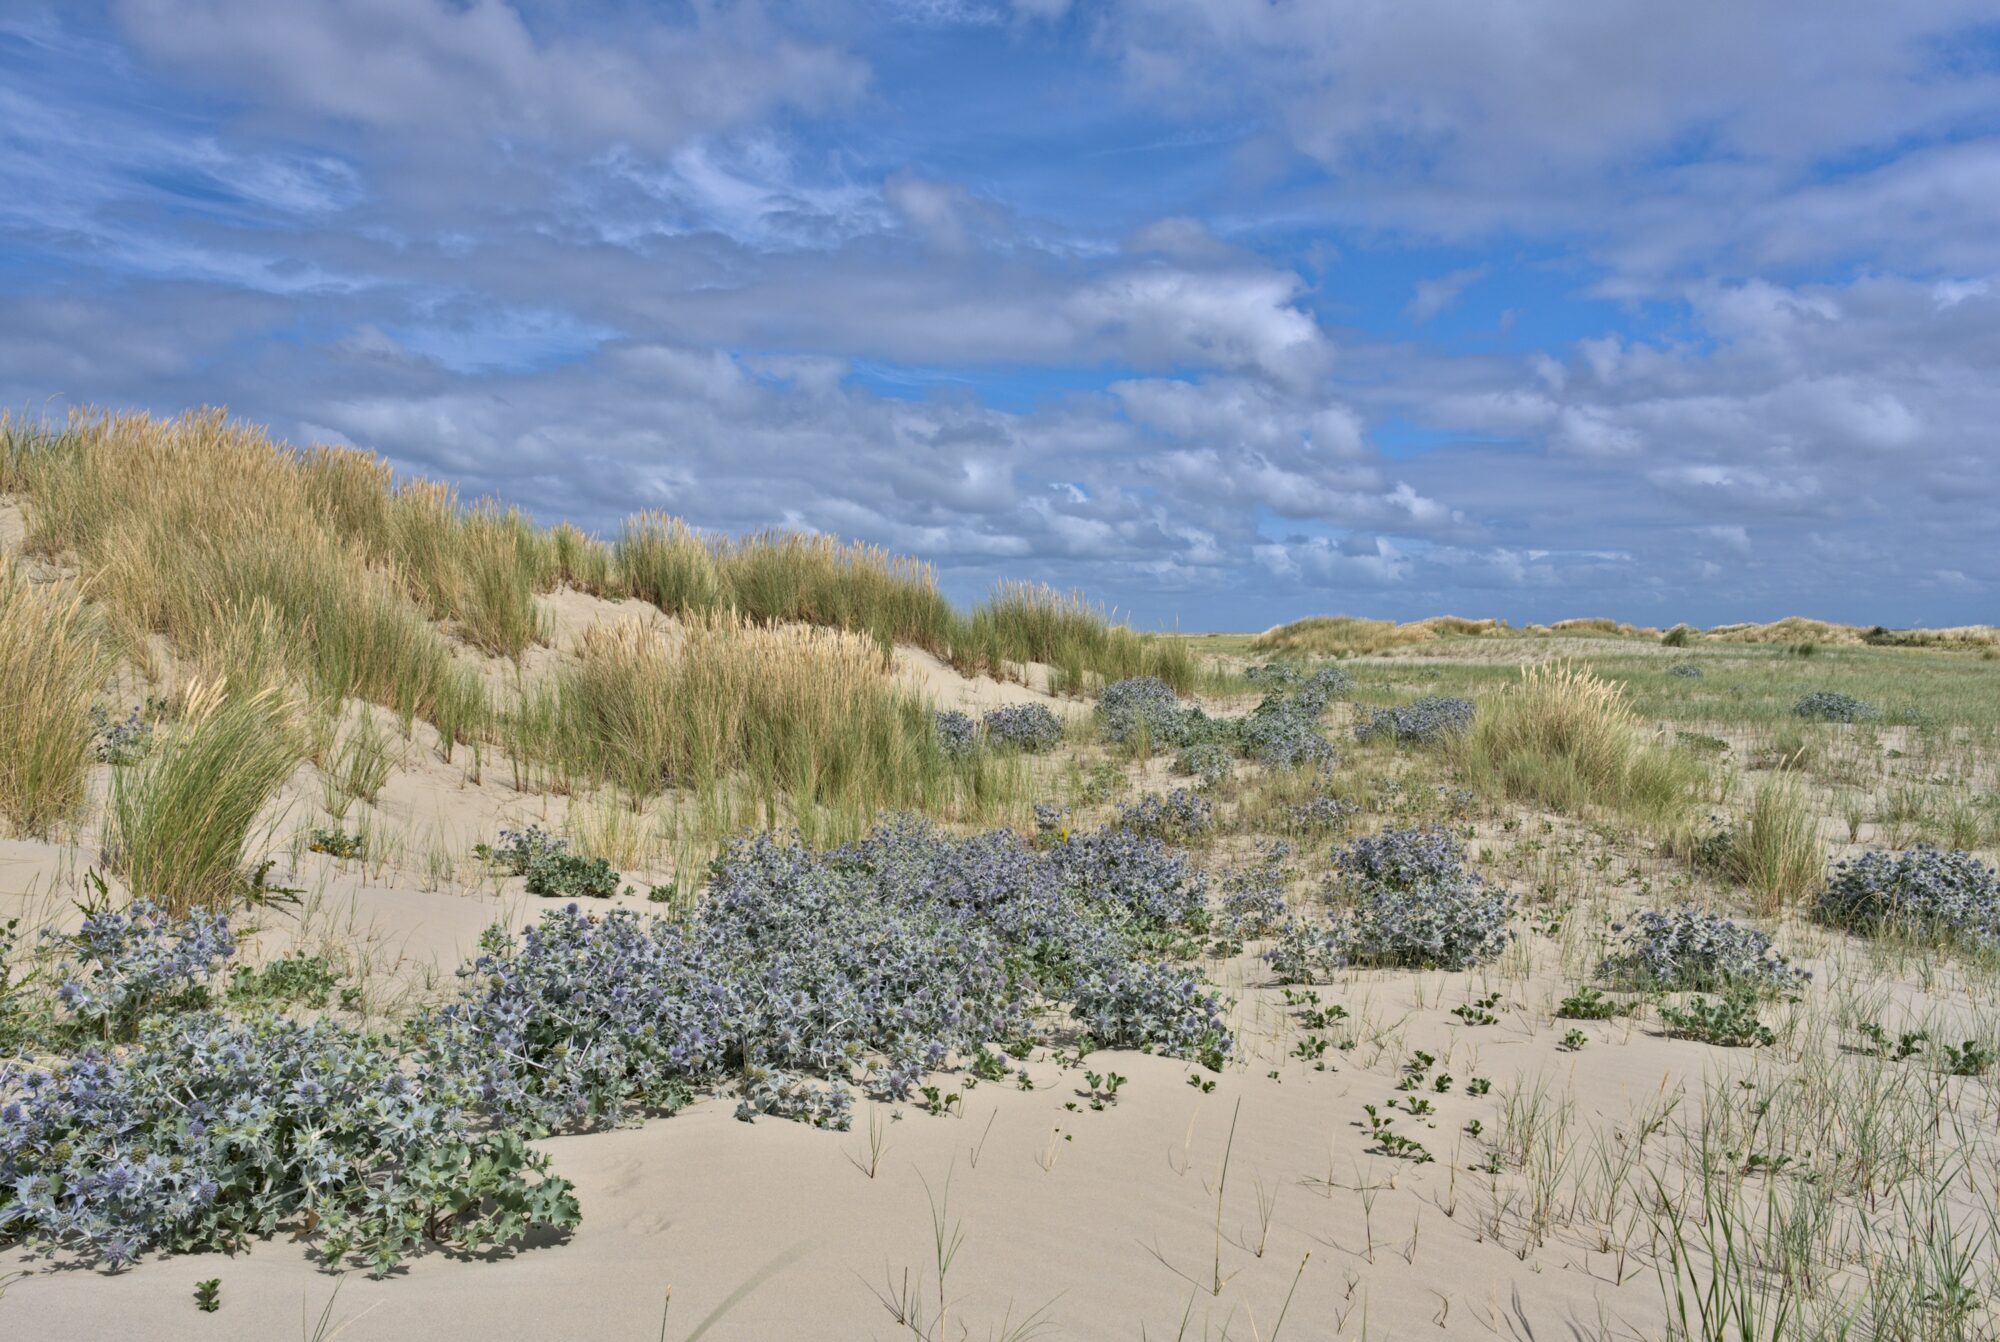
(1422, 721)
(870, 964)
(549, 866)
(1414, 903)
(122, 965)
(208, 1132)
(1926, 893)
(1687, 950)
(1833, 706)
(1401, 898)
(1029, 728)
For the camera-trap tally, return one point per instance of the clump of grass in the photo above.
(785, 576)
(1775, 851)
(1567, 739)
(301, 542)
(1028, 622)
(179, 825)
(806, 717)
(51, 665)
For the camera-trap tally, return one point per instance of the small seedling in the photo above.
(208, 1295)
(1479, 1085)
(1906, 1047)
(1573, 1041)
(1969, 1059)
(988, 1065)
(1479, 1011)
(1389, 1142)
(336, 843)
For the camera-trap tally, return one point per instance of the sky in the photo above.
(1224, 312)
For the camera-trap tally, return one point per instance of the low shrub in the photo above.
(1146, 1005)
(868, 964)
(1415, 905)
(571, 876)
(1685, 670)
(1180, 816)
(1400, 899)
(208, 1133)
(1145, 706)
(957, 733)
(1308, 952)
(1320, 815)
(121, 966)
(124, 742)
(1207, 762)
(1430, 719)
(1832, 706)
(1688, 950)
(1925, 893)
(1253, 896)
(1031, 728)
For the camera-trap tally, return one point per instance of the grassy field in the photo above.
(1554, 1011)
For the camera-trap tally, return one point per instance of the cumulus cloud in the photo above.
(1147, 297)
(482, 69)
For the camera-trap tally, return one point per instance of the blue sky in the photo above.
(1224, 311)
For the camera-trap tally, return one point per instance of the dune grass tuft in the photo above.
(1567, 739)
(1775, 850)
(137, 500)
(52, 663)
(805, 722)
(180, 824)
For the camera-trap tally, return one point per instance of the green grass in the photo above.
(52, 663)
(1565, 738)
(180, 824)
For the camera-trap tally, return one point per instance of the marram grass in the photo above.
(180, 824)
(52, 663)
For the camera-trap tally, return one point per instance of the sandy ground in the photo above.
(1099, 1224)
(1173, 1214)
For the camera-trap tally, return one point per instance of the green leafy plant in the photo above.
(336, 843)
(1588, 1004)
(1729, 1022)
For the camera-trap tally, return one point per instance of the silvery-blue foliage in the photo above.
(1832, 706)
(1253, 895)
(1320, 814)
(1207, 762)
(1031, 728)
(1414, 903)
(1146, 1005)
(1688, 950)
(1686, 670)
(1308, 951)
(208, 1132)
(122, 965)
(1176, 817)
(1143, 705)
(807, 970)
(1925, 892)
(957, 733)
(1432, 718)
(1284, 728)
